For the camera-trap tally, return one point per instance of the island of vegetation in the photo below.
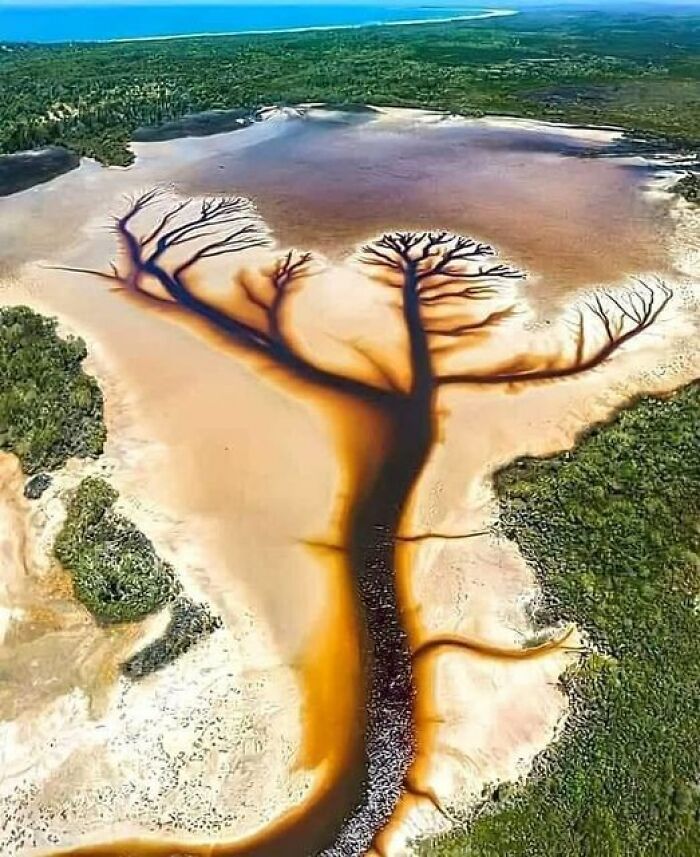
(639, 71)
(116, 572)
(118, 576)
(689, 187)
(612, 530)
(50, 409)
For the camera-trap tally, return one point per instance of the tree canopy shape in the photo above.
(451, 294)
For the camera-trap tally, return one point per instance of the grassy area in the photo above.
(116, 572)
(638, 70)
(612, 530)
(50, 409)
(119, 577)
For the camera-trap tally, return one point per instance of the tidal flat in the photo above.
(245, 477)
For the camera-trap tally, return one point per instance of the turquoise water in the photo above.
(97, 23)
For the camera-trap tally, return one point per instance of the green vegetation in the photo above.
(119, 577)
(612, 529)
(50, 409)
(637, 70)
(689, 187)
(116, 572)
(35, 487)
(189, 622)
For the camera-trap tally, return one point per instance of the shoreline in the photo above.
(619, 135)
(22, 170)
(493, 579)
(486, 14)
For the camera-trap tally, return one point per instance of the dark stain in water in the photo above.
(26, 169)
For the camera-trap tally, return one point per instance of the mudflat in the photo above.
(246, 475)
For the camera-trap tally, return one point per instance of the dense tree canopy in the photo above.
(116, 572)
(612, 530)
(50, 409)
(640, 71)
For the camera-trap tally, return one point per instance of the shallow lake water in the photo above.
(243, 477)
(329, 181)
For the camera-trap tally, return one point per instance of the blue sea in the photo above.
(59, 23)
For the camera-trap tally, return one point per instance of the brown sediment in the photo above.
(389, 736)
(483, 647)
(333, 712)
(384, 714)
(359, 726)
(376, 766)
(330, 695)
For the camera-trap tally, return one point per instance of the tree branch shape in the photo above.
(449, 277)
(188, 233)
(450, 291)
(602, 323)
(456, 292)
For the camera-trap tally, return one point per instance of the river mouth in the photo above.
(246, 480)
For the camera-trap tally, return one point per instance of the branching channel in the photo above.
(452, 294)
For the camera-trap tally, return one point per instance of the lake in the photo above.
(84, 23)
(248, 477)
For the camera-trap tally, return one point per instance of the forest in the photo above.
(637, 71)
(611, 529)
(50, 410)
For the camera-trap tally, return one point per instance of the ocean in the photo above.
(107, 23)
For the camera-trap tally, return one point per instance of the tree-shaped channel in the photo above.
(450, 294)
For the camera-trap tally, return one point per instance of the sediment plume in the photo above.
(455, 304)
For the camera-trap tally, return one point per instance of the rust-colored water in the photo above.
(329, 184)
(268, 470)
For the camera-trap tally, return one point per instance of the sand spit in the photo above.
(487, 13)
(600, 135)
(241, 478)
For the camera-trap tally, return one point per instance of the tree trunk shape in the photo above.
(389, 745)
(432, 273)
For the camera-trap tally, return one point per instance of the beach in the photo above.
(156, 22)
